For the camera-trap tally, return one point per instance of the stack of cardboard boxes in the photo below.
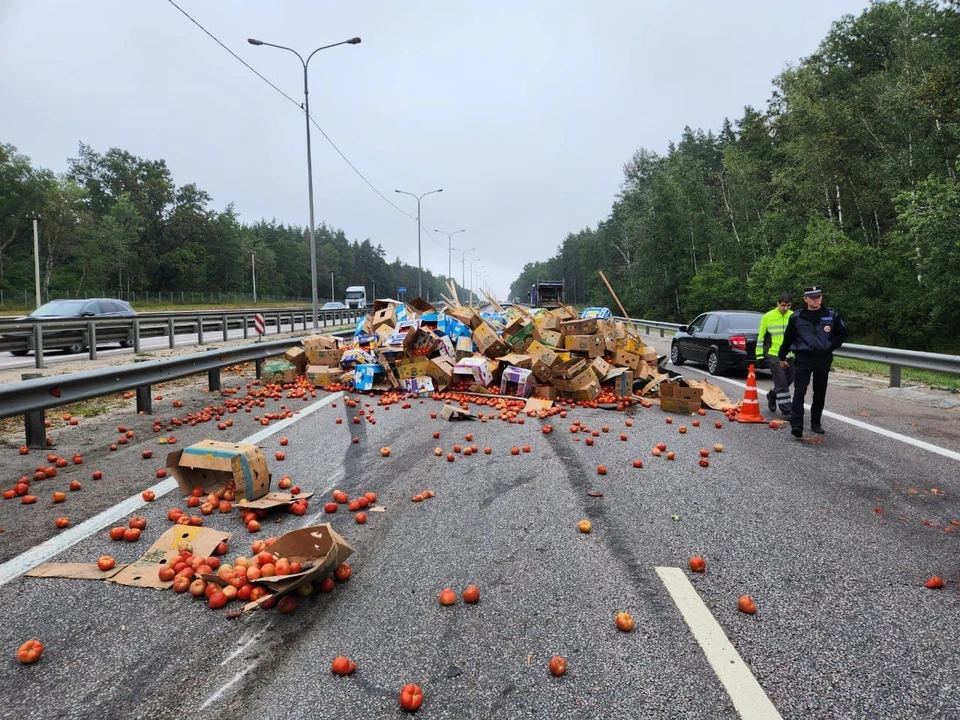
(522, 353)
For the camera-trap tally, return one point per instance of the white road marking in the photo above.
(906, 439)
(41, 553)
(748, 697)
(251, 665)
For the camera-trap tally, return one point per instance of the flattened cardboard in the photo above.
(713, 397)
(537, 404)
(74, 571)
(319, 545)
(272, 500)
(449, 412)
(212, 465)
(143, 572)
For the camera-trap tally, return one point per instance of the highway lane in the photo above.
(827, 534)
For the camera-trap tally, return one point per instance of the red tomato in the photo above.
(30, 652)
(558, 665)
(342, 665)
(411, 697)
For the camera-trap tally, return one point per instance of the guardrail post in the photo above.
(136, 336)
(92, 339)
(213, 379)
(38, 347)
(225, 335)
(35, 431)
(895, 375)
(279, 325)
(258, 364)
(200, 331)
(246, 330)
(144, 400)
(170, 333)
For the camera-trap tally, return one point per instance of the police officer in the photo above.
(813, 333)
(772, 326)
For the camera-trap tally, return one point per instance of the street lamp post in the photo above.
(253, 270)
(36, 257)
(332, 295)
(306, 110)
(419, 258)
(463, 266)
(449, 249)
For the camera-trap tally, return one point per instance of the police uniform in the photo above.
(812, 335)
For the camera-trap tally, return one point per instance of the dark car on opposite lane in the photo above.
(79, 309)
(721, 339)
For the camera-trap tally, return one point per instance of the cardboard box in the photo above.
(488, 342)
(600, 367)
(447, 349)
(384, 316)
(477, 367)
(468, 316)
(568, 368)
(417, 384)
(330, 358)
(551, 338)
(516, 381)
(364, 376)
(587, 392)
(315, 343)
(321, 375)
(214, 465)
(542, 371)
(625, 358)
(409, 368)
(592, 345)
(418, 306)
(621, 381)
(547, 392)
(465, 348)
(578, 382)
(676, 398)
(421, 342)
(278, 371)
(450, 412)
(547, 321)
(521, 338)
(539, 351)
(517, 360)
(587, 326)
(297, 357)
(440, 370)
(319, 549)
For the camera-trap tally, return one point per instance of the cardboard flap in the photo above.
(713, 397)
(143, 572)
(449, 412)
(76, 571)
(273, 499)
(537, 404)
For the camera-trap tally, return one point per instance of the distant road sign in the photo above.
(258, 324)
(401, 290)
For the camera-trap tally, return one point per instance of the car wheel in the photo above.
(19, 353)
(675, 357)
(75, 348)
(713, 363)
(126, 344)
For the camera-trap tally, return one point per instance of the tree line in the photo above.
(115, 224)
(847, 179)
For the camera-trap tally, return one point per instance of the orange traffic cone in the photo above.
(750, 409)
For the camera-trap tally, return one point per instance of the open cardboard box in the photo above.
(319, 549)
(676, 398)
(214, 465)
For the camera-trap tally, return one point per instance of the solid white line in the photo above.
(748, 697)
(230, 683)
(41, 553)
(906, 439)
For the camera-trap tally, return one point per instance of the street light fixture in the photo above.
(475, 276)
(449, 249)
(419, 259)
(306, 110)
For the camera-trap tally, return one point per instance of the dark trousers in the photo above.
(806, 365)
(782, 379)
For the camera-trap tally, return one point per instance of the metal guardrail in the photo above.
(896, 358)
(64, 334)
(33, 396)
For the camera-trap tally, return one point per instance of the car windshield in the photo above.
(743, 322)
(355, 294)
(59, 308)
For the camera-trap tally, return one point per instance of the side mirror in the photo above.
(682, 328)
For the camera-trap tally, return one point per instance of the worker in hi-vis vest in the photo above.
(772, 326)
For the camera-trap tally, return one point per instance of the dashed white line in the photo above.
(748, 697)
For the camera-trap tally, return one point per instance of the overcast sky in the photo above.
(524, 112)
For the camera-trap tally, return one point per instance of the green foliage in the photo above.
(116, 224)
(848, 179)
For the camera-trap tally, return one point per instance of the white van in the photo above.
(356, 297)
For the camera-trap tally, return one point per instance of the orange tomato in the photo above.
(30, 652)
(411, 697)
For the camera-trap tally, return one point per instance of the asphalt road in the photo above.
(833, 537)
